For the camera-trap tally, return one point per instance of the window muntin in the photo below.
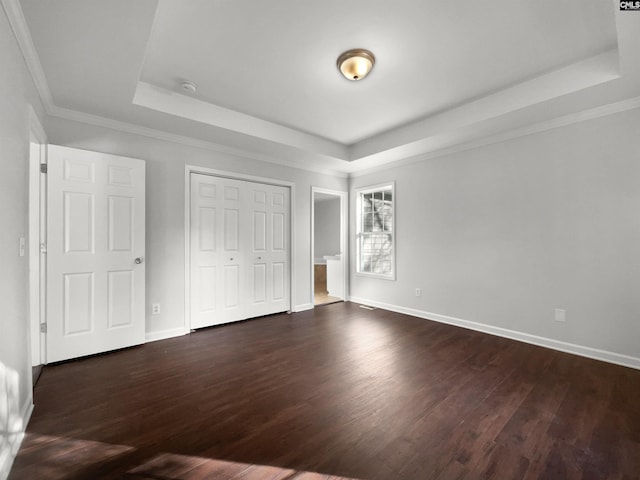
(375, 231)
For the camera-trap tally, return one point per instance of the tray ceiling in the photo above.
(445, 73)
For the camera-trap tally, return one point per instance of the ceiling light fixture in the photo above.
(356, 64)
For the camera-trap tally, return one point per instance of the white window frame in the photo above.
(359, 234)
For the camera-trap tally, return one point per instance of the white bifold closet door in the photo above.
(239, 248)
(95, 252)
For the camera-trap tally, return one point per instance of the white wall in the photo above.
(16, 92)
(504, 234)
(326, 238)
(165, 207)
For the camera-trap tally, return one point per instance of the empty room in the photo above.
(294, 239)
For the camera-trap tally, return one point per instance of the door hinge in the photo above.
(43, 168)
(43, 328)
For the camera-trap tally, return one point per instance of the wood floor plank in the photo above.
(337, 391)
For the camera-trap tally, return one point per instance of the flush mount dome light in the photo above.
(356, 64)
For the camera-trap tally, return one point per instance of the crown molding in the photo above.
(589, 72)
(355, 168)
(130, 128)
(177, 104)
(558, 122)
(20, 29)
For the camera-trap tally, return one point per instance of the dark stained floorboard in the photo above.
(338, 390)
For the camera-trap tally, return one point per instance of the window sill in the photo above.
(376, 275)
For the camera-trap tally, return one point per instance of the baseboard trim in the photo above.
(6, 461)
(303, 307)
(164, 334)
(27, 410)
(583, 351)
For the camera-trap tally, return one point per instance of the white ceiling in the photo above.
(276, 60)
(446, 72)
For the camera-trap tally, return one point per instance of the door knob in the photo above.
(138, 260)
(231, 259)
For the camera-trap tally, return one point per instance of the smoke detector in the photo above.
(188, 87)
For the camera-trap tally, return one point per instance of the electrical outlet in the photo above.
(418, 292)
(560, 315)
(155, 309)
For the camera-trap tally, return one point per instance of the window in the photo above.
(374, 234)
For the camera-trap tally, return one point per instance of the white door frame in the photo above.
(344, 239)
(37, 237)
(188, 170)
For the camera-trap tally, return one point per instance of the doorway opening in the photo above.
(329, 246)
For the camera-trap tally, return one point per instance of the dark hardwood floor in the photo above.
(338, 390)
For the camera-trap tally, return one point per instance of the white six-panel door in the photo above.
(96, 231)
(239, 250)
